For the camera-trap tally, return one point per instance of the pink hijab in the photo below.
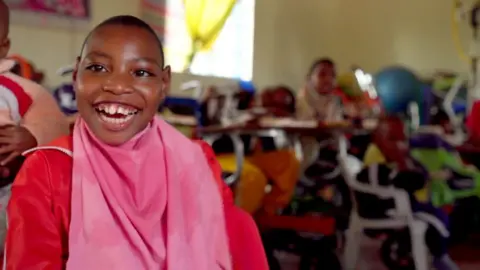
(151, 203)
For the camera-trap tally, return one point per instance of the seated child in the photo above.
(388, 156)
(320, 99)
(125, 190)
(31, 116)
(28, 117)
(263, 164)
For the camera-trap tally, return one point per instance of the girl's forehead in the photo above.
(120, 35)
(124, 41)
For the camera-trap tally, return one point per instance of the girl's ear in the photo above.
(166, 79)
(74, 74)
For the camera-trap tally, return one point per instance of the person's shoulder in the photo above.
(55, 157)
(30, 87)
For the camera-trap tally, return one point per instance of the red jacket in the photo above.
(473, 121)
(38, 220)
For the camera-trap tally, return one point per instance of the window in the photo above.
(232, 53)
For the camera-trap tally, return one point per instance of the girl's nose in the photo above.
(118, 84)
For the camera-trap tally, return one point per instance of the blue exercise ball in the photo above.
(397, 87)
(66, 98)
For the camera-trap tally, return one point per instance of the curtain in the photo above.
(205, 20)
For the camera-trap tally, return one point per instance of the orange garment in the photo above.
(281, 168)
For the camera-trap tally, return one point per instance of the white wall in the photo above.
(290, 34)
(369, 33)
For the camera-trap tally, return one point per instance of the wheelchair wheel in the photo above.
(396, 251)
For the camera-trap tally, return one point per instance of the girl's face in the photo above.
(120, 82)
(323, 77)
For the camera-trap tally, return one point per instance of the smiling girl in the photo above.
(126, 190)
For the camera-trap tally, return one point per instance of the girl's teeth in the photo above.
(116, 120)
(122, 111)
(111, 110)
(115, 109)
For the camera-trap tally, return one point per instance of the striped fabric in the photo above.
(154, 12)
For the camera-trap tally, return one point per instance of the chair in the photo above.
(400, 216)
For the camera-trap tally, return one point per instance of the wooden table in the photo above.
(264, 129)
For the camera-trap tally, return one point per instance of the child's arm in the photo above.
(44, 119)
(33, 235)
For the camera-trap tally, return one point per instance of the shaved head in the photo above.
(4, 25)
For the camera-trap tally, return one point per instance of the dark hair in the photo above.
(318, 62)
(126, 20)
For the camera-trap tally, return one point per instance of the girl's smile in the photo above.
(115, 116)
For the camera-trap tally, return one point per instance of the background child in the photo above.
(41, 121)
(28, 117)
(318, 100)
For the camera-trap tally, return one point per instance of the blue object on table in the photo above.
(66, 98)
(247, 86)
(185, 102)
(180, 101)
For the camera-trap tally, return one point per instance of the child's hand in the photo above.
(14, 140)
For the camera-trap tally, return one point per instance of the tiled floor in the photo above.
(467, 256)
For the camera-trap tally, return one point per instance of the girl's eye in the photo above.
(96, 68)
(142, 73)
